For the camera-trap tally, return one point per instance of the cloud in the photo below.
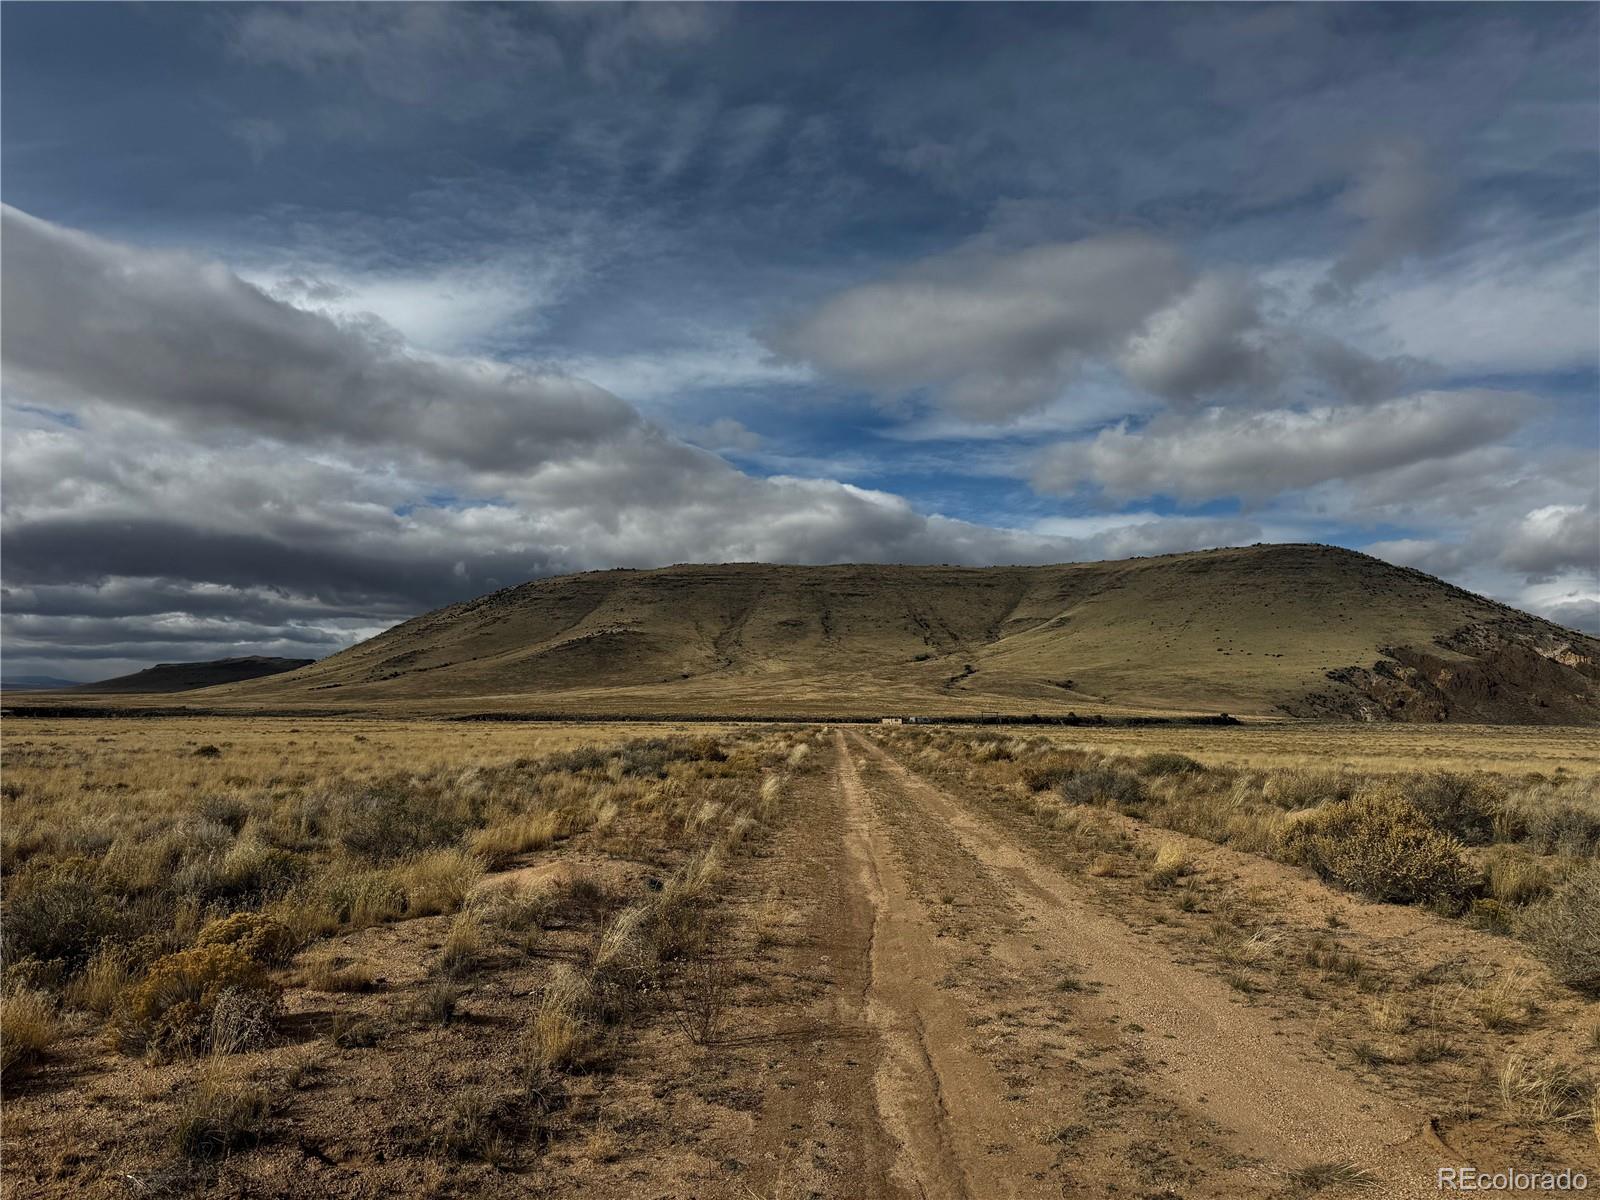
(1553, 539)
(726, 434)
(1396, 195)
(991, 334)
(460, 63)
(87, 322)
(1519, 300)
(260, 136)
(994, 335)
(1199, 343)
(1128, 535)
(193, 467)
(451, 310)
(1547, 562)
(1223, 452)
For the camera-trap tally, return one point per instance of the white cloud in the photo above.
(1222, 452)
(1508, 304)
(1554, 538)
(993, 335)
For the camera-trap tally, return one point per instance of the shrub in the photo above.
(1103, 785)
(224, 810)
(263, 939)
(706, 749)
(436, 1003)
(242, 1020)
(360, 898)
(58, 915)
(1561, 827)
(1157, 765)
(438, 882)
(354, 1031)
(254, 872)
(1049, 774)
(703, 994)
(1380, 846)
(1564, 930)
(394, 821)
(1293, 787)
(1464, 806)
(479, 1123)
(29, 1026)
(218, 1117)
(172, 1008)
(1491, 916)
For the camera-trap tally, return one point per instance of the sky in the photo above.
(315, 318)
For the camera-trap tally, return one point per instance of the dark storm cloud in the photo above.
(87, 322)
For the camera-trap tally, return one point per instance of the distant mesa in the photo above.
(36, 683)
(185, 677)
(1264, 631)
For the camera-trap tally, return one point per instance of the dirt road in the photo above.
(1022, 1042)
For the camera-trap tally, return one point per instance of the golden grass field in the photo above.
(308, 956)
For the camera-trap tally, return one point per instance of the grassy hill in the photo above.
(1287, 630)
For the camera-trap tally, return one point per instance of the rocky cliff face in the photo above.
(1493, 672)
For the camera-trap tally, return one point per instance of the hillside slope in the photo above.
(187, 676)
(1286, 630)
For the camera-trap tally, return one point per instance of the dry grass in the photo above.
(1340, 1175)
(1515, 855)
(29, 1027)
(219, 1116)
(329, 972)
(1172, 863)
(1503, 1003)
(1544, 1092)
(161, 902)
(462, 945)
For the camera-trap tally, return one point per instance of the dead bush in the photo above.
(702, 994)
(1464, 806)
(172, 1008)
(1564, 930)
(1380, 846)
(1103, 785)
